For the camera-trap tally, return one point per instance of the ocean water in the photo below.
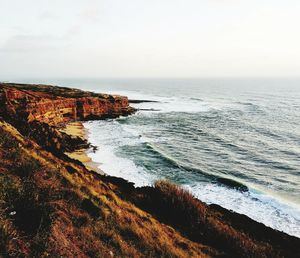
(232, 142)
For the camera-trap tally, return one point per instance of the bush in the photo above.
(195, 219)
(25, 167)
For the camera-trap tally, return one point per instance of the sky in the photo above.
(149, 38)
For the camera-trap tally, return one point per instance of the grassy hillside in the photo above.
(52, 207)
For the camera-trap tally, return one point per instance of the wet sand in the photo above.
(77, 129)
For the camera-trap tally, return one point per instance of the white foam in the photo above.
(109, 136)
(175, 105)
(256, 205)
(168, 104)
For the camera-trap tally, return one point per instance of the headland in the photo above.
(54, 202)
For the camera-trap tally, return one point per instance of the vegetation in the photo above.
(215, 227)
(55, 90)
(52, 207)
(202, 225)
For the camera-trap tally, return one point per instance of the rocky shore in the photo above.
(76, 129)
(54, 201)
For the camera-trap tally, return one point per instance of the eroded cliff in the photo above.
(59, 105)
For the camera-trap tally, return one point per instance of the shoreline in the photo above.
(263, 203)
(48, 197)
(77, 129)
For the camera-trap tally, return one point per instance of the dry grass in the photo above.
(62, 209)
(48, 209)
(177, 207)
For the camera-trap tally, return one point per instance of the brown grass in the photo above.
(48, 209)
(62, 209)
(179, 208)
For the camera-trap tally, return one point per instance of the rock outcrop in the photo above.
(61, 105)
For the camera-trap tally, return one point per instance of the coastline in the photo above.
(67, 204)
(77, 129)
(116, 162)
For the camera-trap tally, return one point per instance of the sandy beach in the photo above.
(77, 129)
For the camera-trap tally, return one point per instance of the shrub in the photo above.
(24, 167)
(194, 218)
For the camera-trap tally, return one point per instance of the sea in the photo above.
(231, 142)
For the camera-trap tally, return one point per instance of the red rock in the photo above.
(53, 109)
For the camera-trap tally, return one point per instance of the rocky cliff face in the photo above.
(60, 106)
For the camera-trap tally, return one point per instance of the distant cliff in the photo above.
(58, 105)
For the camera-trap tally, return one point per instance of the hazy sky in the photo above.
(149, 38)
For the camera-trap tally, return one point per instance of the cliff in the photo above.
(51, 205)
(31, 103)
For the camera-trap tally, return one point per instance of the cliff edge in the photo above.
(51, 205)
(57, 105)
